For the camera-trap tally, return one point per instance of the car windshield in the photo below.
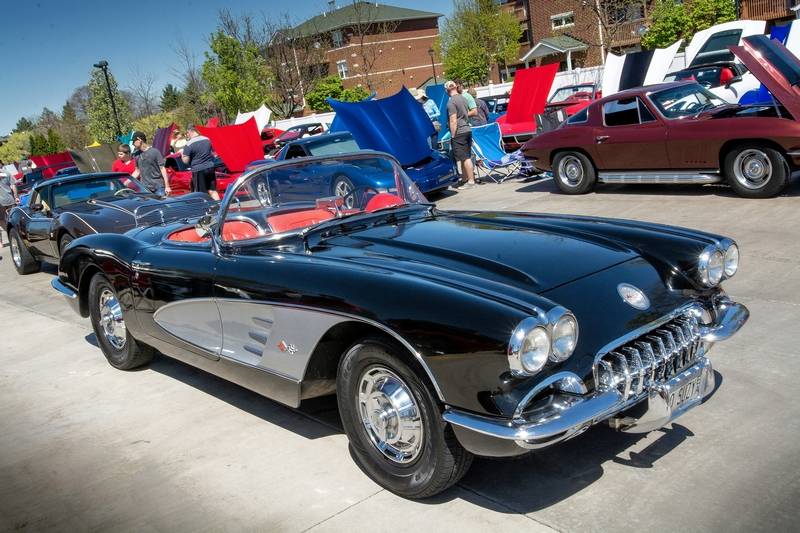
(333, 146)
(300, 194)
(565, 93)
(97, 188)
(685, 100)
(706, 76)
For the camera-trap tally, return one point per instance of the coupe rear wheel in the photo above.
(22, 258)
(342, 186)
(116, 342)
(756, 171)
(394, 424)
(574, 173)
(63, 242)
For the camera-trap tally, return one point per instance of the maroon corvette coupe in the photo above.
(682, 133)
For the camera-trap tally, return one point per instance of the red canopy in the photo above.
(529, 92)
(51, 163)
(236, 145)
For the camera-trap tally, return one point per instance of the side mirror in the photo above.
(733, 80)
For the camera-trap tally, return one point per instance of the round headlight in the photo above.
(565, 337)
(731, 260)
(711, 267)
(535, 350)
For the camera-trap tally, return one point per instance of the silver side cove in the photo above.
(688, 177)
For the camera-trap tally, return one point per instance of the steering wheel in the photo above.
(126, 189)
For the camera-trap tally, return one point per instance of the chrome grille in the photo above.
(652, 358)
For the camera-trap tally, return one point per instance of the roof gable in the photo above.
(369, 13)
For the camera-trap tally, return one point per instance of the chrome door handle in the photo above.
(601, 138)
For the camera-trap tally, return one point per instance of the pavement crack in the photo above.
(343, 510)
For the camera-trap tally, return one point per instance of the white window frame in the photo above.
(338, 38)
(341, 68)
(558, 22)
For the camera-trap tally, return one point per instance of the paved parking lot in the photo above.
(170, 448)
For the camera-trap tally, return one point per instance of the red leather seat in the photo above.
(382, 200)
(233, 230)
(282, 222)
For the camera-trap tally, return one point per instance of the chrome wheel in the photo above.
(111, 321)
(343, 188)
(570, 171)
(16, 255)
(390, 414)
(752, 168)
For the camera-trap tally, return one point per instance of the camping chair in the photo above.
(491, 160)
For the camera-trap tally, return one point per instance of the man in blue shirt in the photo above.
(200, 157)
(433, 112)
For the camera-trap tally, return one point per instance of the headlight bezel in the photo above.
(535, 326)
(709, 277)
(731, 249)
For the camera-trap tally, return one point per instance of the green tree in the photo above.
(54, 142)
(329, 87)
(73, 130)
(38, 144)
(670, 20)
(23, 124)
(101, 124)
(170, 98)
(354, 94)
(15, 147)
(706, 13)
(236, 75)
(477, 36)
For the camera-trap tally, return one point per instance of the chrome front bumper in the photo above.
(566, 415)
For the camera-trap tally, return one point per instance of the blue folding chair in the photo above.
(491, 160)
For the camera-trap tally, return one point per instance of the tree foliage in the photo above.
(170, 98)
(478, 35)
(101, 124)
(332, 87)
(72, 128)
(23, 124)
(236, 75)
(670, 20)
(43, 144)
(15, 147)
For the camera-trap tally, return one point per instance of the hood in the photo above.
(236, 145)
(775, 67)
(440, 97)
(637, 69)
(162, 138)
(529, 92)
(397, 125)
(491, 250)
(261, 116)
(110, 214)
(711, 45)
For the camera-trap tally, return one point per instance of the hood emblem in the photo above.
(633, 296)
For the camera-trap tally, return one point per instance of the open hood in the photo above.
(637, 69)
(52, 163)
(440, 97)
(236, 145)
(161, 140)
(396, 125)
(529, 93)
(774, 66)
(712, 44)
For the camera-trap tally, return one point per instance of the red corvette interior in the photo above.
(234, 230)
(281, 222)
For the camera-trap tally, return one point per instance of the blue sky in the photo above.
(47, 47)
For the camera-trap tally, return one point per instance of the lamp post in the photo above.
(103, 65)
(433, 66)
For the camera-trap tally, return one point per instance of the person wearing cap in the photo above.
(199, 155)
(433, 112)
(150, 169)
(461, 133)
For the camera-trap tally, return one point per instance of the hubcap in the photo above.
(342, 188)
(263, 193)
(752, 168)
(570, 171)
(390, 415)
(111, 321)
(16, 256)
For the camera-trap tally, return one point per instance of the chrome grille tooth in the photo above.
(625, 371)
(661, 355)
(648, 359)
(671, 351)
(637, 368)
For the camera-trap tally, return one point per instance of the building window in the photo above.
(341, 67)
(562, 20)
(338, 41)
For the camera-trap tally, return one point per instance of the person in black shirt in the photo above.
(199, 155)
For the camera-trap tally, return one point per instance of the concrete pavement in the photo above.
(170, 448)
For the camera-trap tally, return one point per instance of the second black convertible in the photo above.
(443, 334)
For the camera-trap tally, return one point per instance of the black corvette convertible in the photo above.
(443, 334)
(62, 209)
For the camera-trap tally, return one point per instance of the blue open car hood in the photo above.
(396, 125)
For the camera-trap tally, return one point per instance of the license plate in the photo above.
(688, 392)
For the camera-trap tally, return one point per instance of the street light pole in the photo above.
(103, 65)
(433, 66)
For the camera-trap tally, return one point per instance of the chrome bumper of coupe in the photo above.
(564, 415)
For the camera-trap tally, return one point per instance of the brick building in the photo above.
(376, 46)
(773, 11)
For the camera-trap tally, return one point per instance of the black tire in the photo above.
(130, 354)
(22, 258)
(63, 242)
(439, 460)
(756, 171)
(342, 186)
(573, 173)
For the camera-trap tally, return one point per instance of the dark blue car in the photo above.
(430, 175)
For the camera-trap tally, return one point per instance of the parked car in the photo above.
(573, 98)
(723, 78)
(59, 210)
(300, 131)
(497, 105)
(443, 334)
(681, 133)
(431, 175)
(268, 137)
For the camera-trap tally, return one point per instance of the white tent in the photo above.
(262, 115)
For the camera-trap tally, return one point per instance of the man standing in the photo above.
(433, 112)
(461, 133)
(199, 156)
(150, 169)
(124, 162)
(8, 196)
(482, 117)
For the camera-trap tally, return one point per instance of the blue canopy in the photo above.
(397, 125)
(440, 96)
